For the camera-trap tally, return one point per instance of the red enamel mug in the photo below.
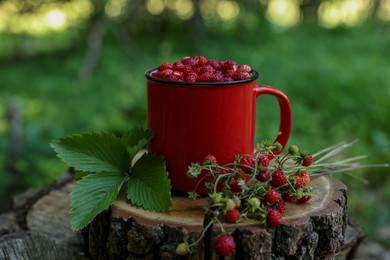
(193, 120)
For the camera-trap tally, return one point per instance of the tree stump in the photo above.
(315, 230)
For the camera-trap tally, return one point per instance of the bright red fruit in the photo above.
(273, 217)
(278, 179)
(307, 161)
(225, 245)
(271, 197)
(233, 215)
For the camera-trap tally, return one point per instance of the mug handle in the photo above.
(285, 113)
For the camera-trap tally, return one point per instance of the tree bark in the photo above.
(315, 230)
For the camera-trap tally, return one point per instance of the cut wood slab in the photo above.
(315, 230)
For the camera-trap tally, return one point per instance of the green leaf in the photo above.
(149, 185)
(93, 194)
(80, 174)
(95, 152)
(136, 139)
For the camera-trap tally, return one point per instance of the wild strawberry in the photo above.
(229, 73)
(247, 163)
(263, 161)
(227, 79)
(191, 77)
(178, 66)
(264, 175)
(166, 73)
(210, 159)
(229, 65)
(201, 61)
(289, 197)
(225, 245)
(205, 77)
(281, 207)
(278, 179)
(208, 68)
(304, 176)
(273, 218)
(240, 75)
(245, 68)
(298, 182)
(183, 249)
(187, 60)
(307, 161)
(237, 184)
(233, 215)
(171, 77)
(215, 64)
(179, 75)
(304, 199)
(186, 69)
(217, 77)
(271, 197)
(165, 66)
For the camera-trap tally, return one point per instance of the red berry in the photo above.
(288, 198)
(186, 69)
(201, 61)
(304, 199)
(235, 185)
(179, 66)
(171, 77)
(305, 177)
(307, 161)
(208, 68)
(298, 182)
(281, 207)
(273, 218)
(218, 76)
(264, 175)
(271, 197)
(245, 68)
(278, 179)
(247, 163)
(233, 215)
(205, 77)
(210, 159)
(179, 75)
(225, 245)
(229, 73)
(240, 75)
(229, 65)
(191, 77)
(263, 161)
(166, 73)
(227, 79)
(165, 66)
(215, 64)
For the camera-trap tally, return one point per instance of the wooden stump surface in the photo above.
(315, 230)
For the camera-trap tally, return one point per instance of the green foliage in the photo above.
(103, 164)
(93, 194)
(149, 183)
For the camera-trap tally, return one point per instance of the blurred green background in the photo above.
(71, 66)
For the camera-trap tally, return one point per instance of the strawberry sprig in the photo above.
(255, 187)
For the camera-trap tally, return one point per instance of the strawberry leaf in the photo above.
(93, 194)
(95, 152)
(149, 185)
(136, 139)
